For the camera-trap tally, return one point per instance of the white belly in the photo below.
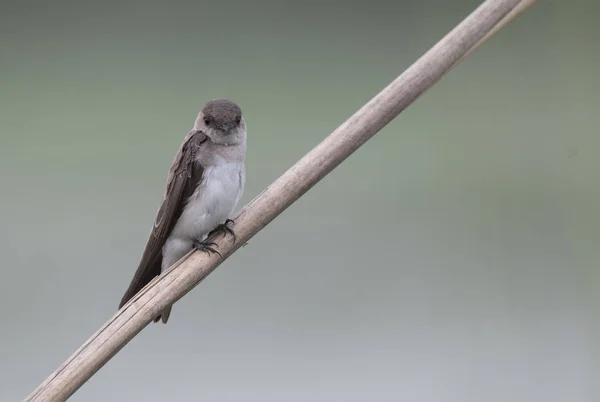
(213, 202)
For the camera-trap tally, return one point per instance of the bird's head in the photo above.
(222, 122)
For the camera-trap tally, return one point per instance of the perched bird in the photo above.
(204, 185)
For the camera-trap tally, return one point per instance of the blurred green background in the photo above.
(452, 258)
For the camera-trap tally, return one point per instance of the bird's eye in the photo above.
(207, 121)
(238, 119)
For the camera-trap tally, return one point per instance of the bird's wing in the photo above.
(184, 176)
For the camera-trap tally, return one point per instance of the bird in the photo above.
(204, 185)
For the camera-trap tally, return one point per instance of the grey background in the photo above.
(453, 258)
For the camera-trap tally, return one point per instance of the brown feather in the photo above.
(184, 176)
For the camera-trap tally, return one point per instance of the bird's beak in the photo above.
(227, 127)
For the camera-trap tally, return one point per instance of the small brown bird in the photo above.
(204, 185)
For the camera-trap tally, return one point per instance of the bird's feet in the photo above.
(224, 229)
(206, 246)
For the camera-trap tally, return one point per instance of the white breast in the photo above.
(213, 201)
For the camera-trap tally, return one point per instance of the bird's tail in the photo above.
(164, 315)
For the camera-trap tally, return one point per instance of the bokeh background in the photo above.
(452, 258)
